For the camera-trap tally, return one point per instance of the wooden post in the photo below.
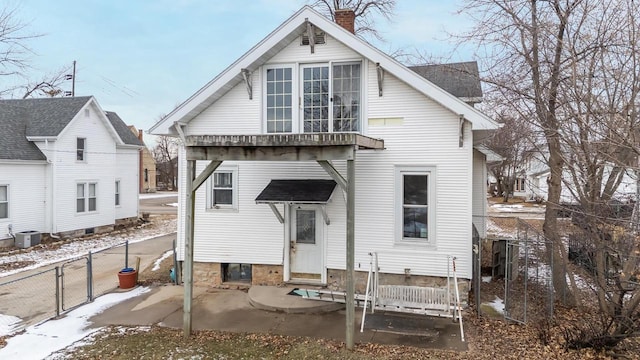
(350, 300)
(188, 248)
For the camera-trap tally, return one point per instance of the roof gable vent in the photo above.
(319, 37)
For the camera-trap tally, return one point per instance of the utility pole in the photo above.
(73, 80)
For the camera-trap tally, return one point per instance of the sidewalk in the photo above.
(231, 310)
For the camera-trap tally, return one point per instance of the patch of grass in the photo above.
(117, 342)
(160, 276)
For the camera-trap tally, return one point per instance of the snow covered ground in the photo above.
(42, 340)
(72, 249)
(54, 335)
(157, 195)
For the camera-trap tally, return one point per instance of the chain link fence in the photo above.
(515, 266)
(47, 294)
(29, 300)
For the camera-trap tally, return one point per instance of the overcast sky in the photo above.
(142, 58)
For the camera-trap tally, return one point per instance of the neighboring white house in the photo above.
(67, 167)
(315, 95)
(534, 172)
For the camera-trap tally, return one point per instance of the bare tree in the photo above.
(49, 85)
(365, 12)
(14, 52)
(570, 66)
(15, 60)
(165, 154)
(512, 142)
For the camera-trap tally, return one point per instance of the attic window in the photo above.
(320, 38)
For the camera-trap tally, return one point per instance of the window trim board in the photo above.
(399, 172)
(233, 169)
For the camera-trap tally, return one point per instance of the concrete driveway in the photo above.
(158, 203)
(32, 297)
(231, 310)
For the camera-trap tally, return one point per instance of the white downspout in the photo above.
(53, 187)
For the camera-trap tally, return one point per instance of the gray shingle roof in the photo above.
(13, 139)
(460, 79)
(298, 191)
(49, 116)
(21, 118)
(123, 130)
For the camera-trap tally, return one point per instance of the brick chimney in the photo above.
(346, 18)
(140, 132)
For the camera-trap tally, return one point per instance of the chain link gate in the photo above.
(529, 293)
(75, 283)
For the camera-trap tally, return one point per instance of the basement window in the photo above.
(235, 272)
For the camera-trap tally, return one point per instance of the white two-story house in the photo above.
(316, 139)
(67, 167)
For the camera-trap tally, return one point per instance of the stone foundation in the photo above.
(126, 222)
(271, 275)
(210, 274)
(207, 274)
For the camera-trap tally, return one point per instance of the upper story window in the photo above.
(329, 98)
(279, 100)
(4, 201)
(81, 147)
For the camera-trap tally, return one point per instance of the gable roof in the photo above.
(123, 130)
(21, 119)
(13, 138)
(278, 39)
(459, 79)
(49, 116)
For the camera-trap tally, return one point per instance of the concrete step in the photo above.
(273, 298)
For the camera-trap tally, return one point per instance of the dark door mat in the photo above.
(403, 324)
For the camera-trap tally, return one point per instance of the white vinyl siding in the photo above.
(26, 186)
(100, 167)
(427, 138)
(4, 201)
(128, 176)
(480, 192)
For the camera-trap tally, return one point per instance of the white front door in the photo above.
(307, 242)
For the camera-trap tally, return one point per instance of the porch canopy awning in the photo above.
(310, 191)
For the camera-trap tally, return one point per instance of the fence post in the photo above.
(90, 277)
(175, 265)
(126, 254)
(57, 291)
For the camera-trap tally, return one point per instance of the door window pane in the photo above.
(306, 226)
(346, 97)
(315, 103)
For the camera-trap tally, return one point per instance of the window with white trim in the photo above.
(329, 96)
(86, 197)
(117, 192)
(223, 190)
(279, 100)
(4, 201)
(81, 146)
(519, 184)
(415, 204)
